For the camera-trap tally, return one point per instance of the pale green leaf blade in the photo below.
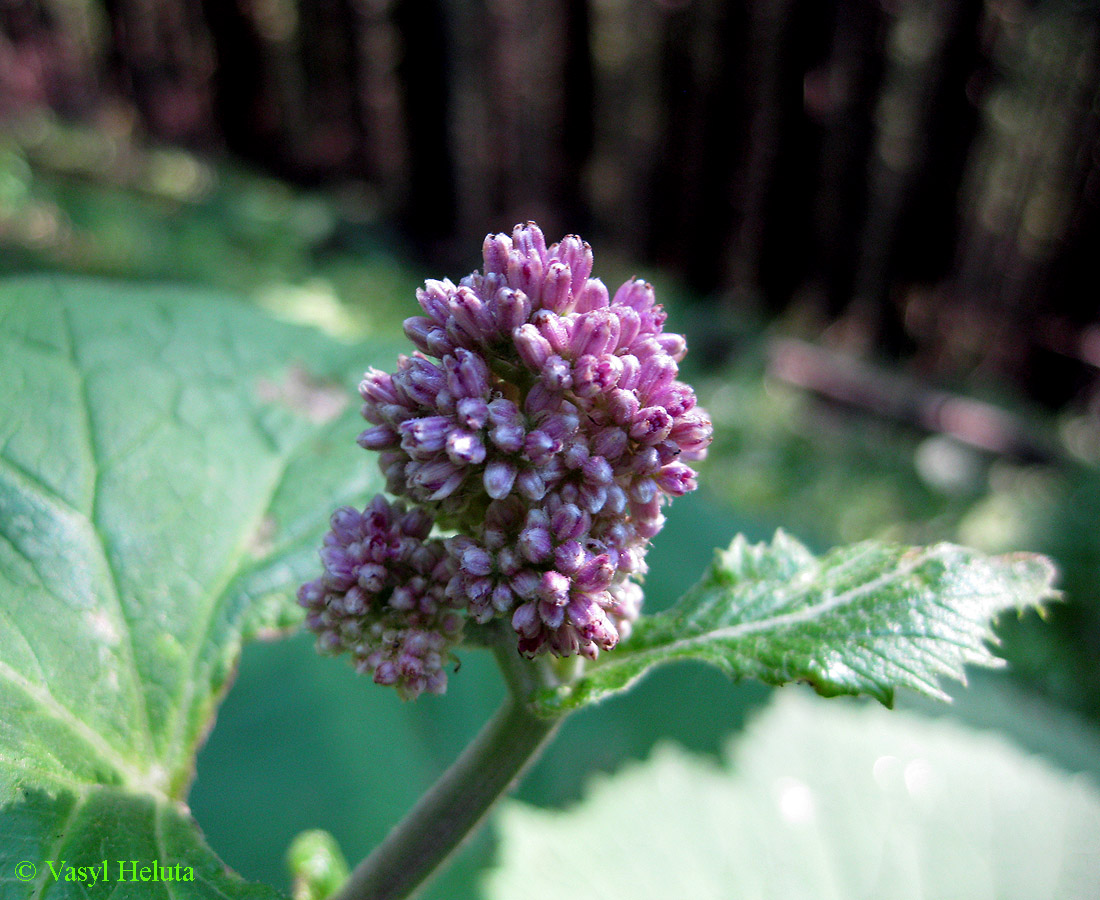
(817, 802)
(862, 619)
(168, 462)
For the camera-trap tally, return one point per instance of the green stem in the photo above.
(458, 802)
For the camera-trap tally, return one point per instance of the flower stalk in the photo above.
(459, 801)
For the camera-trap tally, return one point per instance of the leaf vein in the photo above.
(43, 882)
(139, 699)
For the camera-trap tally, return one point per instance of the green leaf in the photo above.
(817, 802)
(168, 461)
(863, 619)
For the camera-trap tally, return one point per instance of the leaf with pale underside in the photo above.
(864, 619)
(168, 461)
(818, 801)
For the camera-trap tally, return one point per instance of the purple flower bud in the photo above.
(616, 501)
(525, 584)
(589, 334)
(586, 377)
(419, 380)
(643, 490)
(599, 629)
(417, 329)
(651, 425)
(636, 294)
(467, 374)
(658, 372)
(502, 598)
(673, 344)
(528, 240)
(471, 314)
(630, 326)
(476, 588)
(377, 387)
(541, 401)
(380, 437)
(510, 309)
(552, 614)
(537, 516)
(648, 520)
(372, 578)
(476, 561)
(678, 398)
(311, 595)
(535, 545)
(597, 471)
(554, 329)
(576, 254)
(645, 461)
(630, 376)
(569, 522)
(436, 682)
(437, 479)
(569, 557)
(604, 335)
(525, 620)
(472, 413)
(556, 287)
(504, 412)
(676, 479)
(595, 575)
(532, 347)
(530, 484)
(610, 443)
(508, 438)
(509, 561)
(693, 434)
(386, 674)
(404, 598)
(539, 447)
(423, 438)
(434, 298)
(499, 478)
(439, 343)
(465, 449)
(592, 296)
(593, 497)
(525, 273)
(557, 374)
(574, 454)
(416, 523)
(553, 588)
(495, 251)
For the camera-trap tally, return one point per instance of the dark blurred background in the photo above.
(878, 222)
(925, 173)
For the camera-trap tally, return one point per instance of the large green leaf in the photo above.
(863, 619)
(167, 465)
(817, 802)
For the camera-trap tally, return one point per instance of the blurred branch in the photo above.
(844, 379)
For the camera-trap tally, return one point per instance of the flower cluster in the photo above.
(382, 599)
(541, 421)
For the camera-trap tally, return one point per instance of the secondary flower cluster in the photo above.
(543, 423)
(382, 596)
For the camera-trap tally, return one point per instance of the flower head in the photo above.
(542, 421)
(381, 597)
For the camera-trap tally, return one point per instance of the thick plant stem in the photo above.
(457, 803)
